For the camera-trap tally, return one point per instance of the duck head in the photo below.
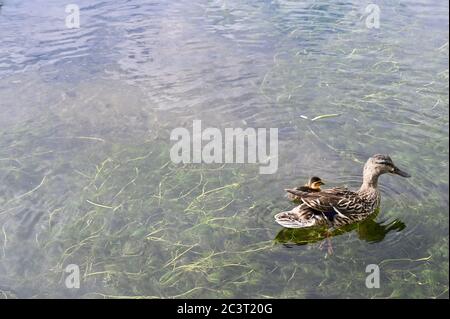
(378, 165)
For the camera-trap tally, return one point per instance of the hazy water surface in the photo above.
(85, 171)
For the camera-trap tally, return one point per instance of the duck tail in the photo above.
(284, 220)
(292, 219)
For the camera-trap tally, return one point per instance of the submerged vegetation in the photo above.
(139, 226)
(86, 176)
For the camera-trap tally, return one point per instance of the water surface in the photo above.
(85, 172)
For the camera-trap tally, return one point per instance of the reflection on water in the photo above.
(368, 230)
(86, 116)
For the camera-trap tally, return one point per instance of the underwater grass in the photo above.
(141, 227)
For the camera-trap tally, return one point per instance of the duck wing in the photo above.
(343, 204)
(340, 191)
(336, 191)
(337, 206)
(337, 200)
(291, 192)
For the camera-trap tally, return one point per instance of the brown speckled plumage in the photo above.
(339, 206)
(313, 186)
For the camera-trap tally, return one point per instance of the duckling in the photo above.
(313, 186)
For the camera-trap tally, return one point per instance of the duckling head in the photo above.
(315, 183)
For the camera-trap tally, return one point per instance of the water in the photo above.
(85, 171)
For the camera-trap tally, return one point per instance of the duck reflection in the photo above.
(368, 230)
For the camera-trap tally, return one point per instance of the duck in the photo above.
(340, 206)
(313, 186)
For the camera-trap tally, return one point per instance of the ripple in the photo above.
(135, 70)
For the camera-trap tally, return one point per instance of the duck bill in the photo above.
(398, 171)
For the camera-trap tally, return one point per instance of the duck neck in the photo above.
(370, 181)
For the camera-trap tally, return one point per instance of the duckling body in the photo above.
(313, 186)
(340, 206)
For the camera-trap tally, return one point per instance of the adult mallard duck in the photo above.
(339, 206)
(313, 186)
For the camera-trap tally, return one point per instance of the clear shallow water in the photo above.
(85, 171)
